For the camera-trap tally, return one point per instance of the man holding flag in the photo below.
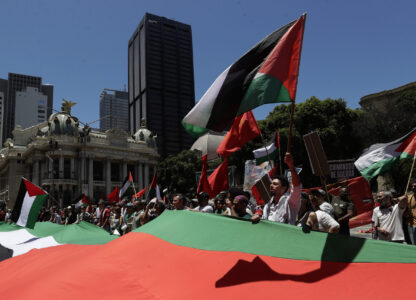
(285, 202)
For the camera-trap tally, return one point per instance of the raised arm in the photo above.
(290, 164)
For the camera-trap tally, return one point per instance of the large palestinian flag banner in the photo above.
(190, 255)
(267, 73)
(15, 240)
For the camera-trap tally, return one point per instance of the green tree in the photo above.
(385, 124)
(330, 118)
(177, 172)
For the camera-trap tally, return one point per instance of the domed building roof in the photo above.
(145, 135)
(63, 123)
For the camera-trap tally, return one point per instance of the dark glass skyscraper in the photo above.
(161, 80)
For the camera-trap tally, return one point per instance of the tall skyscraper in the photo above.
(161, 80)
(33, 99)
(114, 110)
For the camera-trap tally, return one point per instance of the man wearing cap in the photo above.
(203, 206)
(319, 219)
(319, 196)
(284, 204)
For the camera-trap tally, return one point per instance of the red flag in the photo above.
(139, 193)
(203, 185)
(256, 195)
(218, 180)
(244, 129)
(273, 171)
(114, 197)
(130, 177)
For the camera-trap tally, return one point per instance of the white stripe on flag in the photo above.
(261, 152)
(9, 238)
(379, 154)
(200, 113)
(24, 212)
(45, 242)
(158, 192)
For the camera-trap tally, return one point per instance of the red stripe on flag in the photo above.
(283, 62)
(409, 145)
(33, 190)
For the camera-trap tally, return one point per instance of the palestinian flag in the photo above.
(232, 259)
(29, 201)
(270, 152)
(379, 158)
(154, 190)
(82, 200)
(125, 186)
(15, 240)
(267, 73)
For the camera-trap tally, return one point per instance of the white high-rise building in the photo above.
(30, 107)
(114, 110)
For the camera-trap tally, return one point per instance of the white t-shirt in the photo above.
(207, 209)
(327, 207)
(286, 210)
(325, 221)
(389, 219)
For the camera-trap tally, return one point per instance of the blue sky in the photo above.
(351, 48)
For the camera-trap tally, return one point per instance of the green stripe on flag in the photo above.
(193, 130)
(184, 228)
(263, 89)
(383, 165)
(272, 156)
(35, 209)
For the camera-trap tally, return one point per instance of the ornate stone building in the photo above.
(67, 159)
(382, 100)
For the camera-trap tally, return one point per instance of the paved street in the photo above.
(361, 231)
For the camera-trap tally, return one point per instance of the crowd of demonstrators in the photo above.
(317, 210)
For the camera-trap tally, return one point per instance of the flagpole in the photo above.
(134, 189)
(292, 112)
(411, 172)
(280, 154)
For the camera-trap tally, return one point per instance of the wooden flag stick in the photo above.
(289, 136)
(292, 112)
(134, 189)
(410, 175)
